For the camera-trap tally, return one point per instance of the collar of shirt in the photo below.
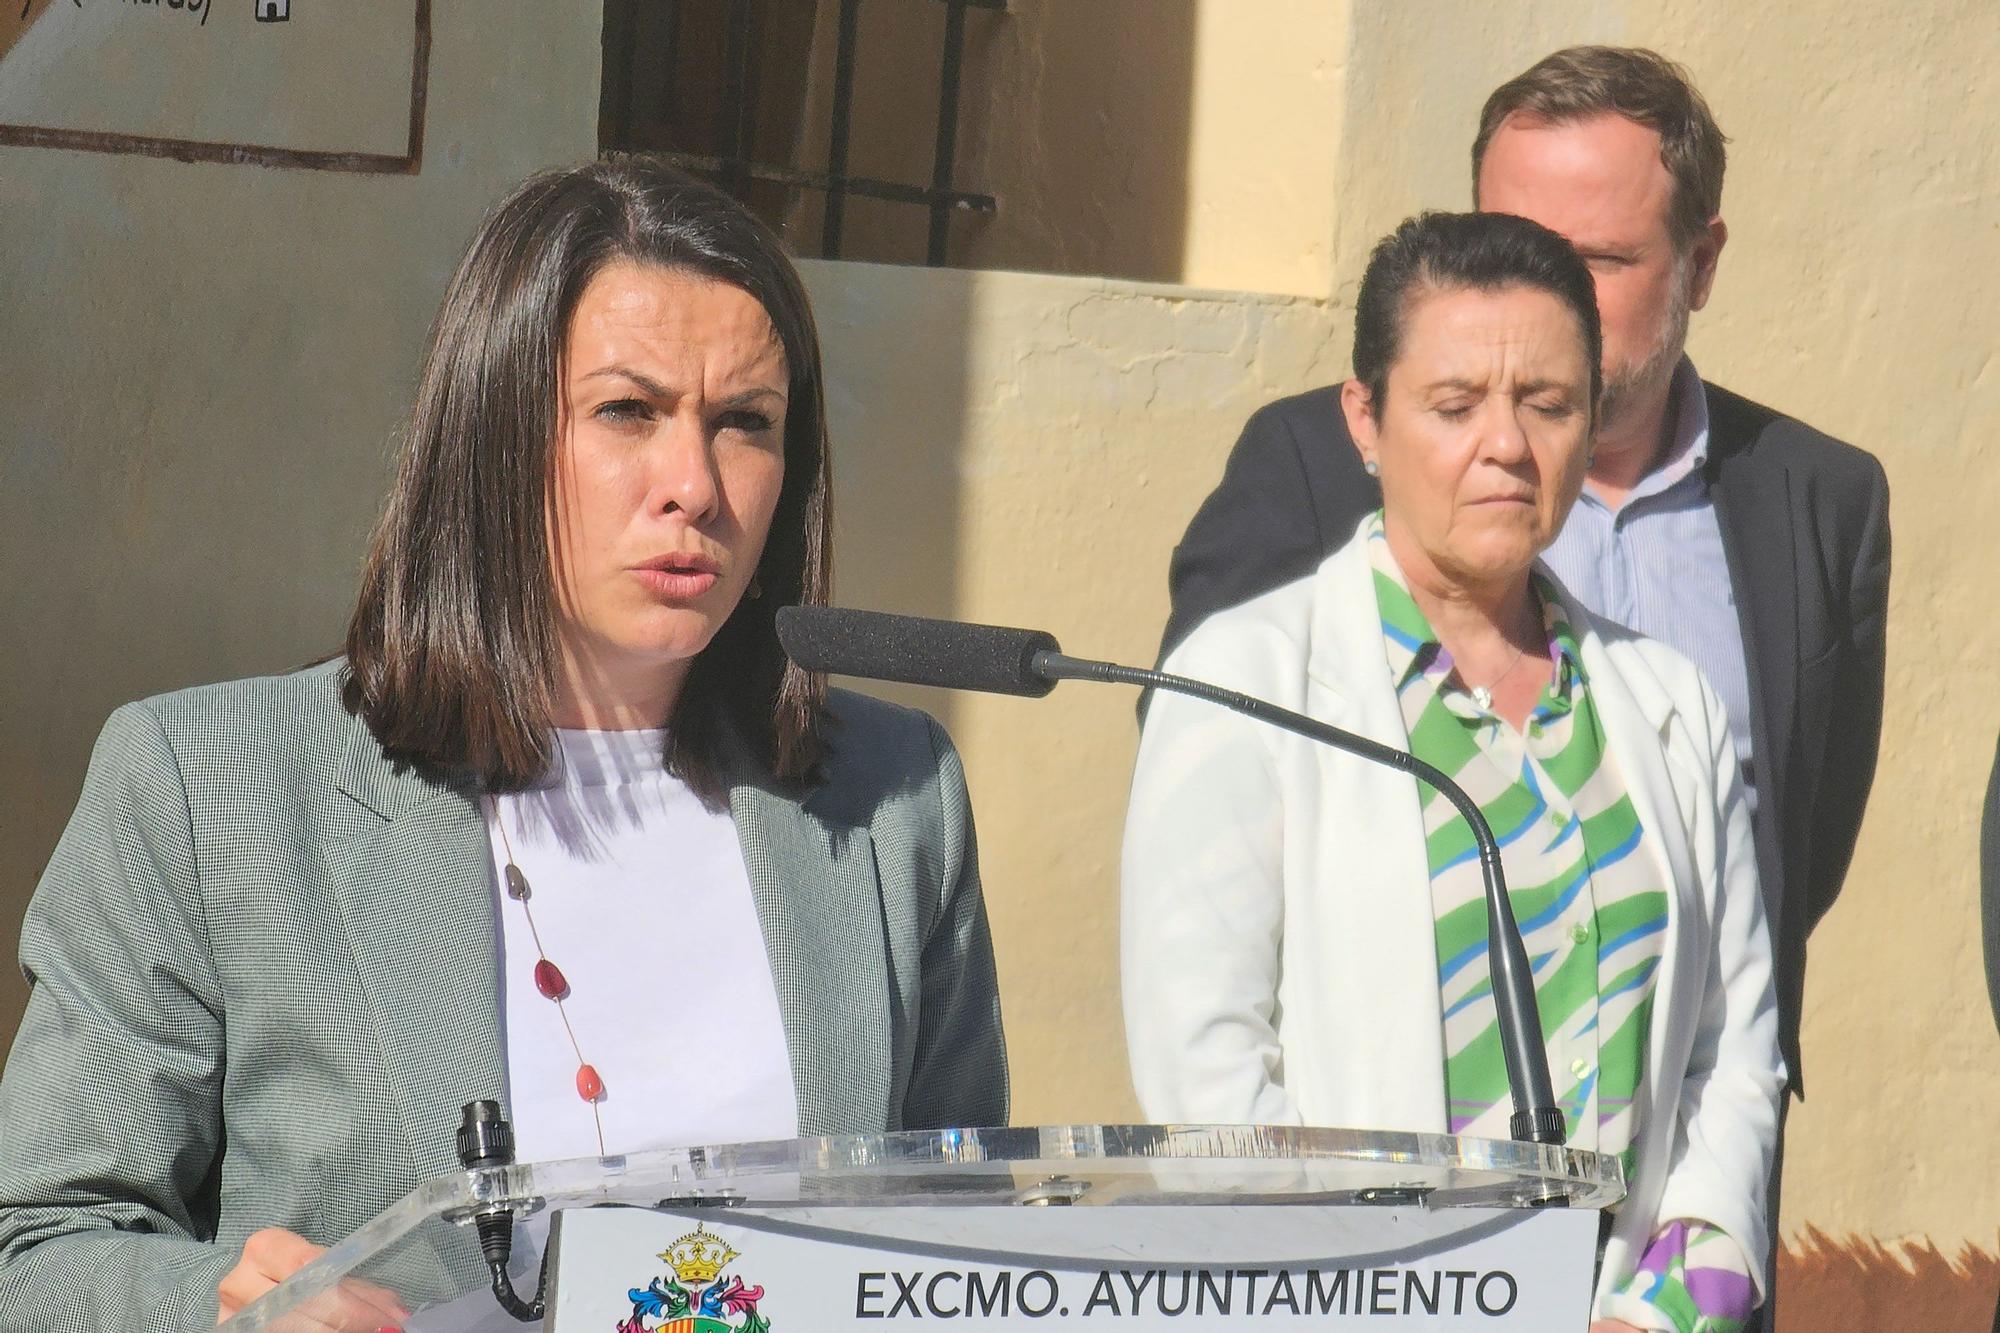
(1413, 648)
(1687, 452)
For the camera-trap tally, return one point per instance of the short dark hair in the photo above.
(1640, 85)
(1443, 252)
(453, 653)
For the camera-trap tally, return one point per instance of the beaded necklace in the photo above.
(549, 979)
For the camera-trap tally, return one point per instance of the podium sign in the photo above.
(1139, 1267)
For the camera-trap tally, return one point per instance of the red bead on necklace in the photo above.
(549, 978)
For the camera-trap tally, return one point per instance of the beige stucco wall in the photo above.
(1268, 111)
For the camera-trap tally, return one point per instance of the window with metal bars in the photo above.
(719, 87)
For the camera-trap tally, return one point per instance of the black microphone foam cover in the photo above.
(914, 650)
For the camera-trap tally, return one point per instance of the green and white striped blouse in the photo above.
(1592, 909)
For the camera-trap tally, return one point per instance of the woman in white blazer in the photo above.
(1303, 941)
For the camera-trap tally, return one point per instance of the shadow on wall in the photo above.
(1859, 1285)
(709, 77)
(1077, 116)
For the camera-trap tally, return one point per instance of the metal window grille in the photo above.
(723, 142)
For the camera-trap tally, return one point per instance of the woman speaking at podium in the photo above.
(563, 825)
(1305, 933)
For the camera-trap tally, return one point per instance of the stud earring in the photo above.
(1371, 467)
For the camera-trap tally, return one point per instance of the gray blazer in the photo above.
(264, 980)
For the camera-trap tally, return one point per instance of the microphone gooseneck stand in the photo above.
(999, 659)
(1536, 1118)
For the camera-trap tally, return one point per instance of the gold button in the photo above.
(1579, 1067)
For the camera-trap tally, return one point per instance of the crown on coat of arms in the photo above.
(698, 1256)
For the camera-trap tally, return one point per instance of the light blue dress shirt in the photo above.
(1655, 564)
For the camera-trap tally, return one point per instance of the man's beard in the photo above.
(1629, 384)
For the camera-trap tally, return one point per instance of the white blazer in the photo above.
(1279, 946)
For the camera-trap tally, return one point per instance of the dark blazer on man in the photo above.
(1805, 528)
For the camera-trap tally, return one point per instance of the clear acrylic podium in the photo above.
(1138, 1226)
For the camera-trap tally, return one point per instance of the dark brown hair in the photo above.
(452, 654)
(1448, 252)
(1640, 85)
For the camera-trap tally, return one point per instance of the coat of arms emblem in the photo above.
(697, 1298)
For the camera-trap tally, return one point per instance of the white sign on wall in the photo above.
(1143, 1267)
(328, 84)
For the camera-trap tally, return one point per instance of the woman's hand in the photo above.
(274, 1254)
(269, 1257)
(1614, 1326)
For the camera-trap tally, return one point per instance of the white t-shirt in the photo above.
(642, 900)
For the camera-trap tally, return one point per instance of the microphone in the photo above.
(915, 650)
(912, 650)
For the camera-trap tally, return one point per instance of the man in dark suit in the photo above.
(1752, 542)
